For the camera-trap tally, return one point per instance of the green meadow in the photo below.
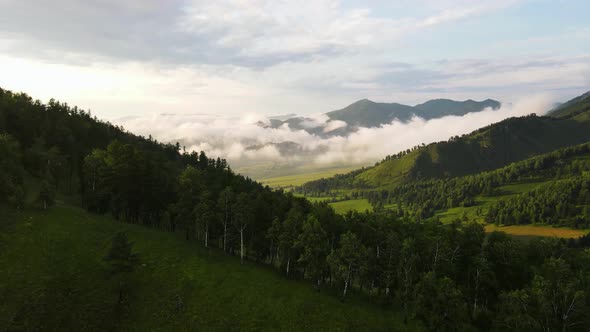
(53, 277)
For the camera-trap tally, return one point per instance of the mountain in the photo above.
(442, 107)
(367, 113)
(485, 149)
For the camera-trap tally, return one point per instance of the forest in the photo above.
(449, 277)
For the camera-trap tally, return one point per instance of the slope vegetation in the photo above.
(574, 108)
(485, 149)
(53, 277)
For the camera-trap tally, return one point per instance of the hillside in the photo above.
(53, 277)
(576, 108)
(485, 149)
(203, 248)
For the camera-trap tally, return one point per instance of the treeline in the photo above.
(561, 203)
(485, 149)
(50, 142)
(422, 199)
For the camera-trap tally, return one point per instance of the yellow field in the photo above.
(534, 230)
(294, 180)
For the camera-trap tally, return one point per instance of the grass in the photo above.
(389, 174)
(359, 205)
(478, 212)
(538, 230)
(294, 180)
(53, 278)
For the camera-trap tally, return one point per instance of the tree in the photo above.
(439, 304)
(203, 215)
(290, 230)
(313, 242)
(46, 195)
(242, 217)
(11, 172)
(274, 235)
(407, 273)
(225, 203)
(348, 259)
(121, 258)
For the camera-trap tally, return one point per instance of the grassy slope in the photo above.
(574, 108)
(292, 180)
(390, 173)
(53, 278)
(360, 205)
(491, 148)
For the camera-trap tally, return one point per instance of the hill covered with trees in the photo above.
(442, 277)
(485, 149)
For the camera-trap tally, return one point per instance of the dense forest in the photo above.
(565, 171)
(450, 277)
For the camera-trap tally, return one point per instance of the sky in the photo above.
(144, 57)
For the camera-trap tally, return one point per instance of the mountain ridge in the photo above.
(487, 148)
(370, 114)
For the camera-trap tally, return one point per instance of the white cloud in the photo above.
(243, 142)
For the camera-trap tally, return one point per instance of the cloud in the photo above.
(245, 33)
(134, 57)
(243, 142)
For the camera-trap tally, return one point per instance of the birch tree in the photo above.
(224, 206)
(348, 259)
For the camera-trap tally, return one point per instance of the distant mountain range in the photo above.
(487, 148)
(369, 114)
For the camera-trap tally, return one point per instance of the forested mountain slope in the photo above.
(130, 261)
(485, 149)
(576, 108)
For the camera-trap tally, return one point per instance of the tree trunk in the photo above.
(345, 288)
(288, 265)
(242, 246)
(206, 235)
(225, 237)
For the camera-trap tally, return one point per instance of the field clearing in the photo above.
(538, 230)
(295, 180)
(359, 205)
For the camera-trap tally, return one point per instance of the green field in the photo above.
(359, 205)
(53, 278)
(477, 211)
(298, 179)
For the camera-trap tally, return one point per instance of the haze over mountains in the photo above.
(487, 148)
(357, 135)
(369, 114)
